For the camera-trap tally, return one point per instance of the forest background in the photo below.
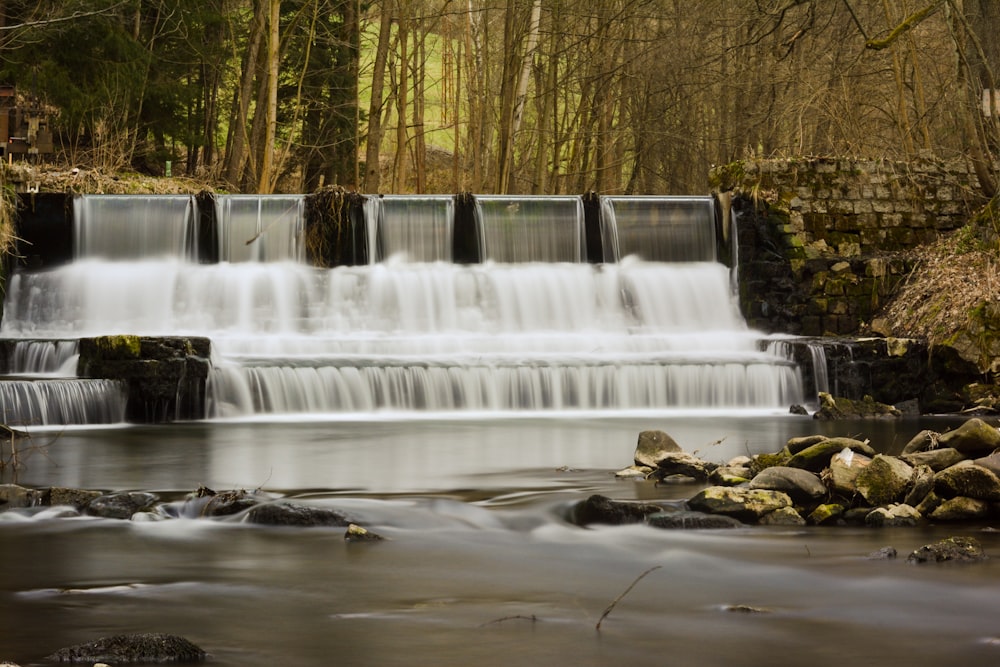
(503, 96)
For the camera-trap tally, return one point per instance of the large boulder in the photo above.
(816, 457)
(842, 473)
(739, 502)
(967, 479)
(802, 486)
(601, 509)
(885, 480)
(135, 648)
(653, 446)
(960, 549)
(973, 438)
(991, 463)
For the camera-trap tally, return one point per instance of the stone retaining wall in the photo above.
(824, 241)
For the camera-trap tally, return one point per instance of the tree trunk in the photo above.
(265, 181)
(373, 173)
(237, 138)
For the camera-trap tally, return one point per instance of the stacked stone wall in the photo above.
(823, 242)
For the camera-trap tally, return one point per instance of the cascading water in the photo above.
(532, 328)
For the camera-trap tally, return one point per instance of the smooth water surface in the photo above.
(480, 566)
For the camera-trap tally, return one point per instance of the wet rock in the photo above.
(957, 549)
(973, 438)
(289, 514)
(761, 462)
(228, 503)
(937, 459)
(844, 408)
(923, 484)
(135, 648)
(930, 503)
(745, 609)
(921, 442)
(816, 457)
(893, 516)
(729, 475)
(78, 498)
(786, 516)
(13, 496)
(826, 513)
(960, 508)
(885, 553)
(604, 510)
(682, 463)
(967, 479)
(634, 472)
(120, 505)
(804, 487)
(885, 480)
(842, 474)
(356, 533)
(796, 445)
(688, 520)
(653, 446)
(739, 502)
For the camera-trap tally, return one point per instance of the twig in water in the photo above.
(618, 599)
(516, 617)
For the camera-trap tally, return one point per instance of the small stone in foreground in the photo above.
(135, 648)
(356, 533)
(958, 549)
(885, 553)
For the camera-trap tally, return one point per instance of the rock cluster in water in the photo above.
(250, 506)
(940, 477)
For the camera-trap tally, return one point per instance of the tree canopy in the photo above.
(510, 96)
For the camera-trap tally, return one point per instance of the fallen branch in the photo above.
(516, 617)
(618, 599)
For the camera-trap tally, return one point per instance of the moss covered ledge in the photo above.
(164, 377)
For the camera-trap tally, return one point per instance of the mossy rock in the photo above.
(817, 457)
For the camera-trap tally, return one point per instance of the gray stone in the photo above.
(973, 438)
(885, 553)
(687, 520)
(802, 486)
(893, 516)
(78, 498)
(967, 479)
(958, 549)
(739, 502)
(634, 472)
(796, 445)
(14, 496)
(991, 463)
(729, 475)
(937, 459)
(885, 480)
(960, 508)
(653, 446)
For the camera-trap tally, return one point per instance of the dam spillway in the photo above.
(517, 305)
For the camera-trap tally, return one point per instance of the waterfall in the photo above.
(532, 229)
(43, 357)
(533, 328)
(127, 227)
(260, 228)
(44, 402)
(661, 229)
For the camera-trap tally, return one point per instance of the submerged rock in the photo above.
(688, 520)
(958, 549)
(121, 505)
(135, 648)
(601, 509)
(356, 533)
(885, 553)
(289, 514)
